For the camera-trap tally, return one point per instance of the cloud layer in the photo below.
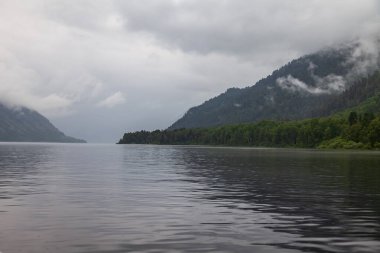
(328, 85)
(99, 68)
(113, 100)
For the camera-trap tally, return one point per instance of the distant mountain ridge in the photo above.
(303, 88)
(24, 125)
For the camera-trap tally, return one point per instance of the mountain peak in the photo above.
(26, 125)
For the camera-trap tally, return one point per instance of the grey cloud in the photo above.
(116, 99)
(65, 58)
(330, 84)
(363, 60)
(239, 27)
(327, 85)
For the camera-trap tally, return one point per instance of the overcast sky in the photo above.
(99, 68)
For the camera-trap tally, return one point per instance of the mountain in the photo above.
(355, 126)
(360, 96)
(305, 87)
(22, 124)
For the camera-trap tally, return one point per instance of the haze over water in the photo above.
(136, 198)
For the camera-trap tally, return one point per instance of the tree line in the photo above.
(354, 131)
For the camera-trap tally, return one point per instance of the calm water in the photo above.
(131, 198)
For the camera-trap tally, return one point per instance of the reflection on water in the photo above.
(109, 198)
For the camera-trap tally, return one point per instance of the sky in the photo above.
(98, 68)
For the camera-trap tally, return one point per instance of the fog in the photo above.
(99, 68)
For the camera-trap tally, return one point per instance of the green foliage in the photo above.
(340, 143)
(352, 118)
(332, 133)
(373, 132)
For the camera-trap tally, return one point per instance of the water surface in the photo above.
(135, 198)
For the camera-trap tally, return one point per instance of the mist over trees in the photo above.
(314, 85)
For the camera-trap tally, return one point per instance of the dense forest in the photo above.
(347, 131)
(298, 90)
(356, 94)
(320, 100)
(355, 128)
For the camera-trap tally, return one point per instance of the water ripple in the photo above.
(108, 198)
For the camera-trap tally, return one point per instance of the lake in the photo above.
(135, 198)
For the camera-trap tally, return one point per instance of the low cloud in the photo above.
(55, 103)
(113, 100)
(363, 60)
(327, 85)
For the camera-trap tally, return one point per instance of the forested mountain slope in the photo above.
(360, 94)
(310, 86)
(355, 128)
(22, 124)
